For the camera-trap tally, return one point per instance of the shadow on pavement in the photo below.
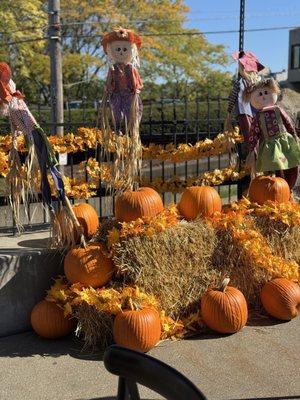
(35, 243)
(266, 398)
(257, 318)
(29, 344)
(104, 398)
(97, 398)
(107, 398)
(207, 334)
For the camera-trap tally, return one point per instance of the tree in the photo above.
(23, 22)
(170, 54)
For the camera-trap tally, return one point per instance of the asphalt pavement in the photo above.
(260, 362)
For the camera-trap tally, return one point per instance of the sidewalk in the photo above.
(262, 361)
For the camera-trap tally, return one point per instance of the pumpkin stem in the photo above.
(130, 304)
(224, 285)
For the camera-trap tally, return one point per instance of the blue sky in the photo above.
(271, 47)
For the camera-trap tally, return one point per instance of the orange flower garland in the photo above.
(89, 138)
(287, 213)
(254, 244)
(147, 226)
(210, 178)
(111, 301)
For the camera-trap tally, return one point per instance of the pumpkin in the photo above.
(264, 188)
(281, 298)
(88, 265)
(199, 200)
(224, 310)
(87, 218)
(48, 321)
(131, 205)
(138, 330)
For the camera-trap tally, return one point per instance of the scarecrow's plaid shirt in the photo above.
(21, 118)
(232, 99)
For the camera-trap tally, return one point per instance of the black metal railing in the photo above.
(165, 120)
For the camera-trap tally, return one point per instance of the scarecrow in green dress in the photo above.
(273, 142)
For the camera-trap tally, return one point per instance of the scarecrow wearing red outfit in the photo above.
(121, 98)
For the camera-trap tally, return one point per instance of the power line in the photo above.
(223, 17)
(25, 41)
(25, 29)
(216, 18)
(193, 33)
(162, 34)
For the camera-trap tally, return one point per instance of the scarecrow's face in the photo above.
(263, 97)
(120, 51)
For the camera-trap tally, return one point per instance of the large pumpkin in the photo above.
(138, 330)
(225, 309)
(131, 205)
(199, 200)
(87, 217)
(88, 266)
(281, 298)
(48, 321)
(263, 188)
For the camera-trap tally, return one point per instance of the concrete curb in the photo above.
(26, 270)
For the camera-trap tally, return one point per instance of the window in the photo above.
(295, 64)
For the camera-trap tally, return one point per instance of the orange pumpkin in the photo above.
(224, 310)
(199, 200)
(281, 298)
(138, 330)
(131, 205)
(88, 266)
(87, 217)
(263, 188)
(48, 321)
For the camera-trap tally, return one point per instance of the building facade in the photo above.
(294, 59)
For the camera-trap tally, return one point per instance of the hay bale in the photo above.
(94, 327)
(244, 274)
(283, 239)
(178, 265)
(175, 265)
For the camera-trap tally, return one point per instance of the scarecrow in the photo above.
(273, 142)
(23, 179)
(248, 69)
(122, 108)
(239, 107)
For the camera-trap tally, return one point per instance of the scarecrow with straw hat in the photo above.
(248, 75)
(22, 179)
(122, 107)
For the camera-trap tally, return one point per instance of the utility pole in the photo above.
(242, 25)
(54, 33)
(243, 183)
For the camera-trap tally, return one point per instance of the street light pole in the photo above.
(56, 80)
(242, 25)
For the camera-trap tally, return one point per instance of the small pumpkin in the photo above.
(49, 322)
(224, 310)
(138, 330)
(88, 265)
(87, 218)
(281, 298)
(131, 205)
(199, 200)
(264, 188)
